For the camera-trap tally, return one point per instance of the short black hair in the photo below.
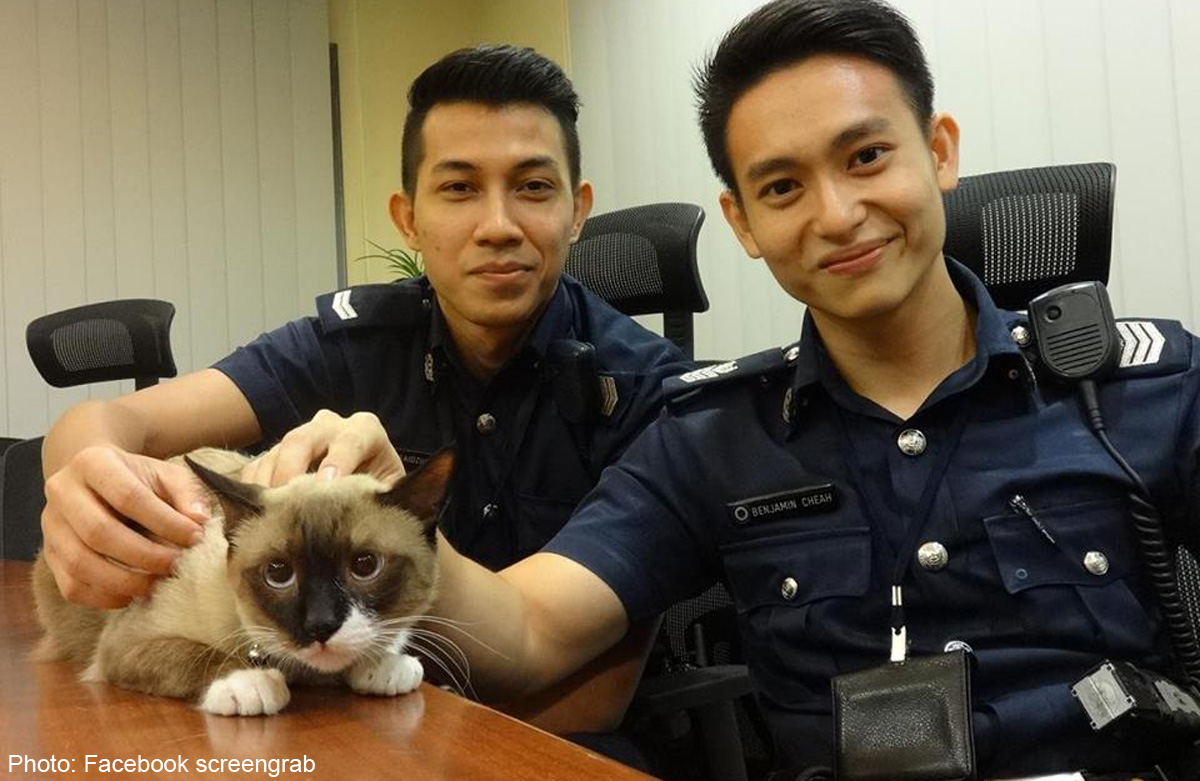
(494, 75)
(784, 32)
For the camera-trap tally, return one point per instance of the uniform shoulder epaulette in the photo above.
(678, 388)
(402, 304)
(1151, 347)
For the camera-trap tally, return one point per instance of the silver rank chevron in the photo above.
(709, 372)
(341, 305)
(1142, 343)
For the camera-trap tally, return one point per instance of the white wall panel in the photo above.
(205, 201)
(1156, 277)
(316, 250)
(277, 180)
(168, 214)
(21, 199)
(62, 166)
(1185, 31)
(100, 253)
(963, 87)
(130, 140)
(239, 167)
(178, 149)
(1032, 82)
(1017, 65)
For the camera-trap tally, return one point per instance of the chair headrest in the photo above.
(1026, 231)
(111, 340)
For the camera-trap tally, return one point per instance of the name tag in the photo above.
(812, 500)
(411, 458)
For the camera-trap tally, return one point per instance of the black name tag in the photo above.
(812, 500)
(412, 459)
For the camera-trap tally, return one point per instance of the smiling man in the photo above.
(493, 198)
(905, 445)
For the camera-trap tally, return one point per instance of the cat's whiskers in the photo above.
(439, 643)
(462, 686)
(457, 626)
(446, 646)
(443, 645)
(432, 619)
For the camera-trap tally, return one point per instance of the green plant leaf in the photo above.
(403, 263)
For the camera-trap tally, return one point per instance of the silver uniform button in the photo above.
(489, 511)
(911, 442)
(1021, 335)
(485, 423)
(792, 354)
(788, 588)
(958, 645)
(1095, 562)
(933, 556)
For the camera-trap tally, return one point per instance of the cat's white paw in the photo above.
(391, 675)
(261, 691)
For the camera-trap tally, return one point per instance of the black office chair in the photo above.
(127, 339)
(642, 260)
(695, 704)
(1024, 232)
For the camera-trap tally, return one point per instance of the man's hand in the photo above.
(96, 558)
(334, 446)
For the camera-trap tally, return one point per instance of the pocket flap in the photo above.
(799, 568)
(1027, 559)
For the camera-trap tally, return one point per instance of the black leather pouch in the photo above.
(905, 721)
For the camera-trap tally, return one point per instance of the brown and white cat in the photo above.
(317, 578)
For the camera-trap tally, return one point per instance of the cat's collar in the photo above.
(257, 657)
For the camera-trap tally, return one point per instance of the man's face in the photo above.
(840, 185)
(494, 213)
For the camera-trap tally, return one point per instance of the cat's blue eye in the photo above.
(279, 574)
(365, 566)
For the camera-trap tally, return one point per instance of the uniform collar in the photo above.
(555, 323)
(994, 344)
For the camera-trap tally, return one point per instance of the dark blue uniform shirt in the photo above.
(747, 477)
(522, 465)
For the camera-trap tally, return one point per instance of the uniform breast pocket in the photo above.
(793, 592)
(798, 568)
(1077, 583)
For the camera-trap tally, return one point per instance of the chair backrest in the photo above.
(1026, 231)
(127, 339)
(21, 500)
(642, 260)
(110, 340)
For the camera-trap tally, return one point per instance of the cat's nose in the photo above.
(320, 628)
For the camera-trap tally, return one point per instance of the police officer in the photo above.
(524, 461)
(905, 430)
(474, 355)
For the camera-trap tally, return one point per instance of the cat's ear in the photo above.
(239, 501)
(421, 492)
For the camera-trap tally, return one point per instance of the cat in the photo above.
(317, 579)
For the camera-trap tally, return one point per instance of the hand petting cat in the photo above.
(331, 446)
(105, 562)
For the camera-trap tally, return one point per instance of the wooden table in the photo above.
(46, 712)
